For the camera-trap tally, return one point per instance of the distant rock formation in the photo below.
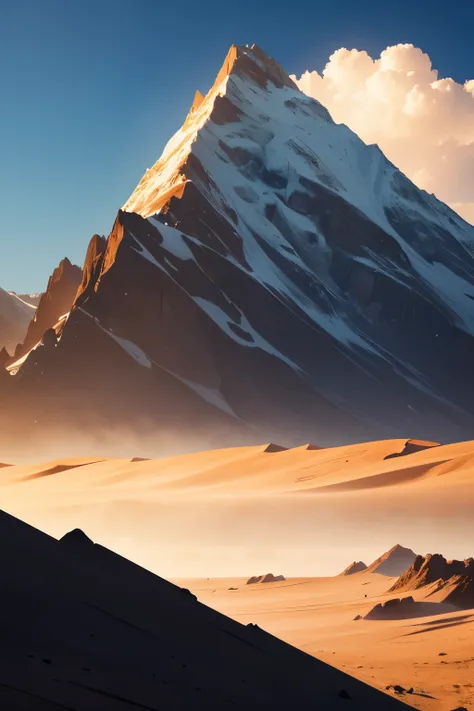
(268, 578)
(406, 607)
(391, 609)
(393, 562)
(355, 567)
(271, 448)
(451, 580)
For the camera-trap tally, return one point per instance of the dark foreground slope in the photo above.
(84, 629)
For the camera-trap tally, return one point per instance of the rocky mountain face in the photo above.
(15, 317)
(92, 268)
(272, 277)
(54, 304)
(451, 581)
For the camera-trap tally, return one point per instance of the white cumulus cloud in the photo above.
(423, 124)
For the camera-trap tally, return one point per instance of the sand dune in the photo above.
(268, 468)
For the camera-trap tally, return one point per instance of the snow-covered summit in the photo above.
(254, 124)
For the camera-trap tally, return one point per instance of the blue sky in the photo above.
(92, 90)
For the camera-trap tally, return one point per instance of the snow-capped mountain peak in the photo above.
(256, 146)
(274, 272)
(249, 89)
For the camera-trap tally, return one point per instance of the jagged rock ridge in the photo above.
(452, 581)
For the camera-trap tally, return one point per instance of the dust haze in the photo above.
(204, 536)
(144, 440)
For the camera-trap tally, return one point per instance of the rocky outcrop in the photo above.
(268, 578)
(392, 609)
(407, 607)
(430, 568)
(355, 567)
(393, 562)
(451, 581)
